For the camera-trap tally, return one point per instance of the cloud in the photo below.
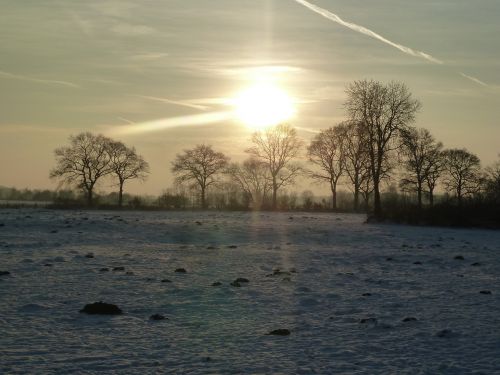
(473, 79)
(184, 103)
(169, 123)
(8, 75)
(363, 30)
(126, 29)
(148, 56)
(86, 26)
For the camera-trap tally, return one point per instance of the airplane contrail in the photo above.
(37, 80)
(169, 123)
(363, 30)
(175, 102)
(473, 79)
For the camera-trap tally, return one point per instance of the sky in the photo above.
(68, 66)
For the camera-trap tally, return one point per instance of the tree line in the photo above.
(376, 145)
(90, 158)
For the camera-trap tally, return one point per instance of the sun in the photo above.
(263, 105)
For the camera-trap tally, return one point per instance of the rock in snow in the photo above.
(280, 332)
(241, 280)
(409, 319)
(445, 333)
(157, 317)
(368, 321)
(101, 308)
(180, 270)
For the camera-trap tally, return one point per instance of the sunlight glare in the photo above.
(263, 105)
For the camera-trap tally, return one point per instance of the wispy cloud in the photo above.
(473, 79)
(186, 103)
(169, 123)
(8, 75)
(86, 26)
(125, 29)
(148, 56)
(363, 30)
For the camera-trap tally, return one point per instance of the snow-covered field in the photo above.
(346, 273)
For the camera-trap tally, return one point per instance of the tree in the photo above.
(199, 165)
(493, 182)
(83, 163)
(277, 147)
(126, 164)
(463, 172)
(433, 175)
(327, 153)
(253, 178)
(422, 158)
(356, 158)
(307, 199)
(383, 111)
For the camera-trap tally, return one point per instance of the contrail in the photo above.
(169, 123)
(37, 80)
(363, 30)
(175, 102)
(473, 79)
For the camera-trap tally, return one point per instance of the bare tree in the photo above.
(356, 159)
(383, 111)
(433, 175)
(462, 172)
(253, 178)
(493, 182)
(366, 190)
(200, 165)
(83, 163)
(277, 147)
(126, 164)
(327, 153)
(421, 155)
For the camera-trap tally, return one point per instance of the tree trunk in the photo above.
(459, 195)
(419, 196)
(356, 198)
(275, 194)
(431, 197)
(334, 197)
(366, 198)
(203, 200)
(89, 196)
(377, 206)
(120, 195)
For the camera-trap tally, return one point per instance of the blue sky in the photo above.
(69, 66)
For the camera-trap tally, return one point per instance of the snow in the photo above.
(223, 329)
